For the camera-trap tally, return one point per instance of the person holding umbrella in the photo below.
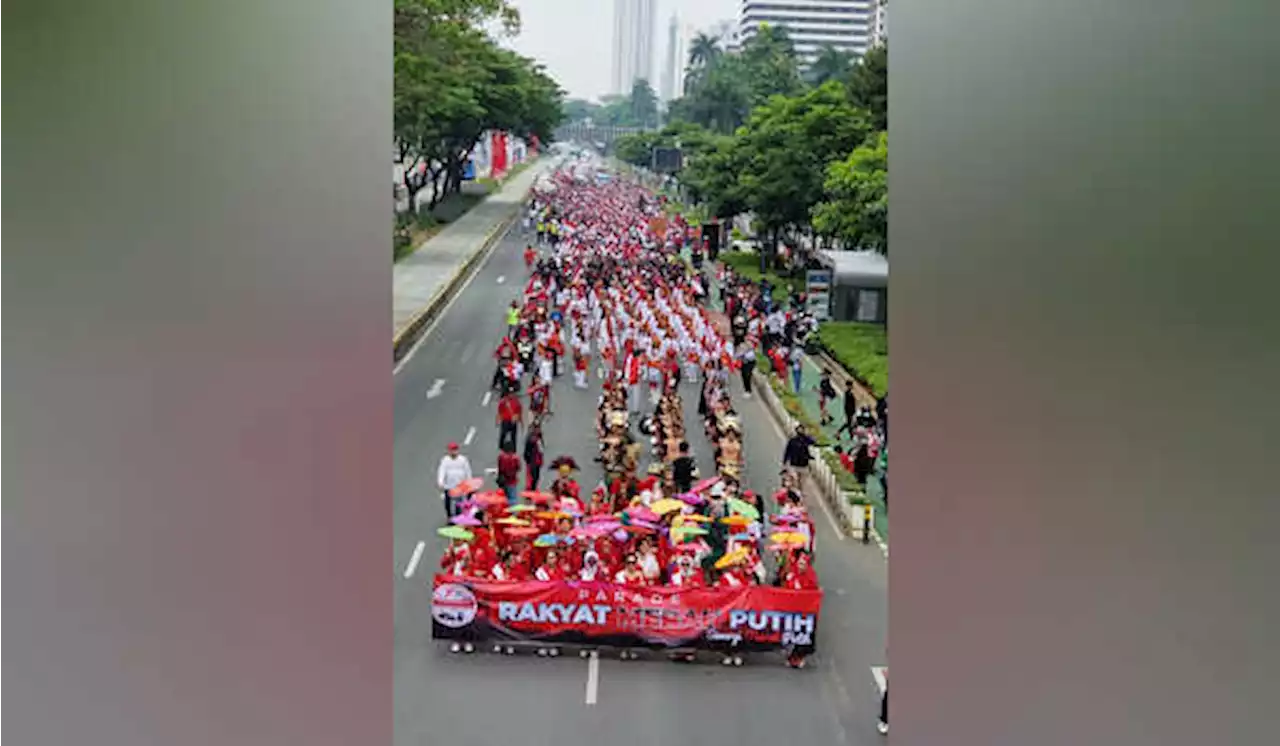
(454, 469)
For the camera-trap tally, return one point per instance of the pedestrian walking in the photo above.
(747, 365)
(509, 418)
(796, 360)
(850, 411)
(513, 319)
(454, 469)
(883, 725)
(533, 456)
(683, 470)
(796, 454)
(826, 392)
(509, 472)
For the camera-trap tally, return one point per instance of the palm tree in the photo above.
(704, 50)
(830, 64)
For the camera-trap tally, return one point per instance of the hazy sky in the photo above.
(574, 37)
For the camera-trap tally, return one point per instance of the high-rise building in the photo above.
(634, 28)
(882, 21)
(673, 66)
(847, 25)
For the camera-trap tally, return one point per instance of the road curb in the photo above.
(822, 476)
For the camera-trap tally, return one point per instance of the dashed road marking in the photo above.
(593, 677)
(471, 434)
(436, 388)
(484, 400)
(413, 561)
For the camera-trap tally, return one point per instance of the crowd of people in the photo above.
(609, 290)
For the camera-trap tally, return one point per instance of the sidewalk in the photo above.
(420, 277)
(808, 397)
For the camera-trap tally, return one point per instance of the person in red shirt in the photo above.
(509, 473)
(800, 576)
(509, 418)
(552, 569)
(530, 256)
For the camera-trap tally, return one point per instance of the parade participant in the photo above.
(631, 574)
(647, 559)
(509, 418)
(580, 363)
(509, 472)
(453, 470)
(530, 256)
(591, 569)
(513, 318)
(565, 485)
(539, 400)
(533, 455)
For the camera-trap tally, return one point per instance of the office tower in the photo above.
(848, 25)
(634, 29)
(674, 62)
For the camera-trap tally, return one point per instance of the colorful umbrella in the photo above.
(520, 508)
(522, 532)
(466, 487)
(696, 518)
(546, 540)
(553, 515)
(620, 534)
(789, 538)
(684, 532)
(705, 484)
(456, 532)
(465, 520)
(537, 497)
(692, 498)
(742, 507)
(662, 507)
(512, 521)
(737, 520)
(641, 513)
(732, 558)
(602, 518)
(491, 499)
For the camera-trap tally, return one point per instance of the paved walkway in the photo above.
(808, 396)
(418, 277)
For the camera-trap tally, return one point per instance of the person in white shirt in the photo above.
(454, 469)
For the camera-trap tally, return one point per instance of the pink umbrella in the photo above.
(465, 520)
(620, 535)
(705, 484)
(691, 498)
(641, 513)
(602, 518)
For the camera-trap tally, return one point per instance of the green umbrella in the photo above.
(743, 508)
(684, 532)
(456, 532)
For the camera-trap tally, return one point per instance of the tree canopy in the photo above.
(453, 83)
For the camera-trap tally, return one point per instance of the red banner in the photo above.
(747, 618)
(498, 155)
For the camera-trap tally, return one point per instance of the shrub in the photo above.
(863, 350)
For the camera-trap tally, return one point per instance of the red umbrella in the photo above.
(466, 487)
(536, 496)
(491, 499)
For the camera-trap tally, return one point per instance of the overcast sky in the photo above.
(574, 37)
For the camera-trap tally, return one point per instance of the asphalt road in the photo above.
(485, 699)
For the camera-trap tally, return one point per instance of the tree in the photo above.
(869, 85)
(830, 64)
(704, 52)
(787, 144)
(856, 207)
(644, 104)
(578, 110)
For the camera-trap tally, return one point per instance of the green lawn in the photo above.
(863, 349)
(747, 264)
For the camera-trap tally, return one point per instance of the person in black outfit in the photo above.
(683, 470)
(850, 411)
(826, 394)
(796, 454)
(862, 464)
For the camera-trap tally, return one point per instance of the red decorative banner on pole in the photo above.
(750, 618)
(498, 155)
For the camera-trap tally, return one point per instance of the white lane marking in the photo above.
(432, 327)
(502, 279)
(436, 388)
(593, 677)
(413, 561)
(484, 400)
(881, 676)
(471, 434)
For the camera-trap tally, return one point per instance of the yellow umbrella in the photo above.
(732, 558)
(513, 522)
(737, 520)
(789, 538)
(662, 507)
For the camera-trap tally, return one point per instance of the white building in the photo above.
(634, 29)
(882, 21)
(674, 62)
(847, 25)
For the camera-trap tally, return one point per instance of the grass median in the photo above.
(862, 349)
